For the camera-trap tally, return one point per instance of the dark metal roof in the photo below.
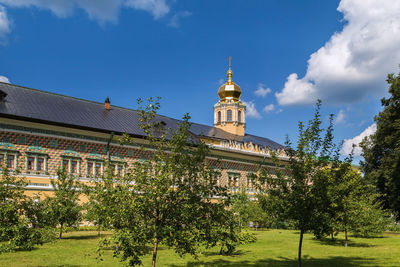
(41, 106)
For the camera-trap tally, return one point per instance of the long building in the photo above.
(42, 131)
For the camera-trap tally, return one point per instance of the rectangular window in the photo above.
(230, 181)
(218, 181)
(236, 182)
(40, 164)
(65, 164)
(11, 161)
(251, 184)
(90, 168)
(233, 181)
(229, 115)
(31, 163)
(97, 169)
(119, 170)
(74, 166)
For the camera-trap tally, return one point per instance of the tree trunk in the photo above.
(346, 240)
(61, 229)
(332, 236)
(300, 244)
(155, 252)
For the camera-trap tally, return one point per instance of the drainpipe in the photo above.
(108, 149)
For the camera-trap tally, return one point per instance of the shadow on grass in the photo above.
(369, 237)
(341, 243)
(216, 253)
(82, 237)
(285, 262)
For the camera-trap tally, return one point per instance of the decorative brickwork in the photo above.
(59, 149)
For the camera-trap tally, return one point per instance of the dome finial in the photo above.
(229, 72)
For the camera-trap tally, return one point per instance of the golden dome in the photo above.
(229, 90)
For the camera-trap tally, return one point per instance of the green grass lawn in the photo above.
(273, 248)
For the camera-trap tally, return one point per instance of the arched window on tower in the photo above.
(219, 116)
(229, 115)
(240, 116)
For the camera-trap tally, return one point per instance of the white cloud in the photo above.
(99, 10)
(4, 79)
(269, 108)
(340, 118)
(348, 143)
(174, 21)
(251, 111)
(158, 8)
(261, 90)
(4, 25)
(355, 61)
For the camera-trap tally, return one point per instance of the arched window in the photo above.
(229, 115)
(240, 116)
(219, 116)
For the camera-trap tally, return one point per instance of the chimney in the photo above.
(107, 104)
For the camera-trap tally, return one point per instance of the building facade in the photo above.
(41, 131)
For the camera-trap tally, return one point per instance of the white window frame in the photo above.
(252, 182)
(94, 162)
(70, 159)
(35, 162)
(6, 153)
(235, 179)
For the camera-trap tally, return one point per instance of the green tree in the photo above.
(101, 194)
(381, 151)
(171, 197)
(367, 216)
(248, 210)
(353, 204)
(258, 216)
(301, 195)
(38, 212)
(65, 207)
(344, 183)
(15, 230)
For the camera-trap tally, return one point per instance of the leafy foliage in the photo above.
(249, 210)
(301, 196)
(170, 198)
(381, 151)
(101, 200)
(367, 216)
(16, 231)
(353, 206)
(64, 205)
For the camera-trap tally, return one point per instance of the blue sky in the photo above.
(285, 55)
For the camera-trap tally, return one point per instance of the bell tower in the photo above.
(229, 112)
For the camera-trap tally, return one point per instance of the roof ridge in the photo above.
(81, 99)
(133, 110)
(51, 93)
